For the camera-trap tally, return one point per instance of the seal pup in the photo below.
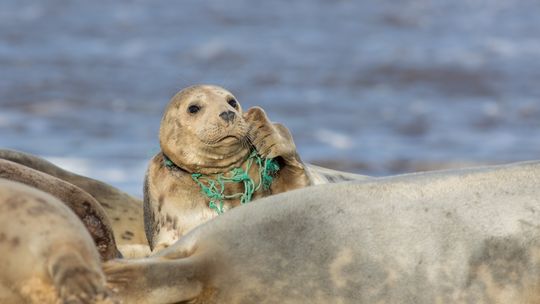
(81, 203)
(205, 131)
(47, 254)
(464, 236)
(124, 211)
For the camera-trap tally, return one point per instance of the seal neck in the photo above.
(214, 189)
(170, 164)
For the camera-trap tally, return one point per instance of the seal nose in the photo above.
(228, 116)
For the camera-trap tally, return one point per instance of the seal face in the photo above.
(205, 131)
(47, 254)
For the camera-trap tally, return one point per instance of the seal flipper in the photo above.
(154, 280)
(75, 281)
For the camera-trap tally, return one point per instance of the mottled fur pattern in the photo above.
(88, 210)
(124, 211)
(204, 130)
(47, 254)
(464, 236)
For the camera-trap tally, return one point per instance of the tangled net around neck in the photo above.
(214, 188)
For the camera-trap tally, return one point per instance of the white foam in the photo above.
(334, 139)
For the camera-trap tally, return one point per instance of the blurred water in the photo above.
(377, 87)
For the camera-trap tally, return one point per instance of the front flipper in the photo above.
(271, 140)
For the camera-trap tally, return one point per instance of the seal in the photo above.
(124, 211)
(464, 236)
(205, 132)
(47, 254)
(81, 203)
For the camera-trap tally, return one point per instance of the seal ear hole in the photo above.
(233, 103)
(193, 109)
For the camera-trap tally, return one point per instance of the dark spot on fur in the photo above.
(2, 237)
(125, 210)
(505, 258)
(102, 235)
(160, 201)
(173, 188)
(175, 223)
(15, 202)
(15, 241)
(41, 201)
(105, 205)
(55, 268)
(116, 218)
(131, 218)
(40, 210)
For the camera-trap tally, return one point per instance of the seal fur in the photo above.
(124, 211)
(47, 254)
(464, 236)
(204, 130)
(81, 203)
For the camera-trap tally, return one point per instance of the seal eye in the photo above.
(193, 109)
(233, 103)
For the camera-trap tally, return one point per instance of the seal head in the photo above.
(203, 130)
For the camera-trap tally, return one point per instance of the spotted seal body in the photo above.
(465, 236)
(204, 130)
(81, 203)
(47, 254)
(124, 211)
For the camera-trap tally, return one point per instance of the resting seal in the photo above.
(81, 203)
(47, 254)
(124, 211)
(465, 236)
(204, 130)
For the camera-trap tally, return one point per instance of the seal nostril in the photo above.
(227, 116)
